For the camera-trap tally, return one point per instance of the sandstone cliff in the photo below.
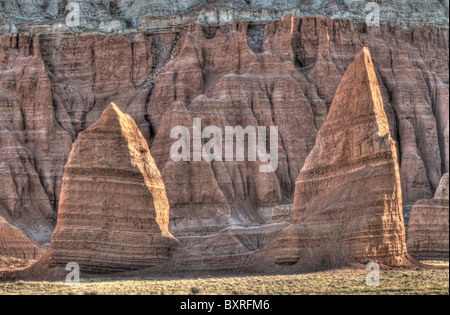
(428, 233)
(114, 213)
(231, 74)
(348, 200)
(220, 81)
(33, 145)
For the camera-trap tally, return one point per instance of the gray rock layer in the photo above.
(95, 13)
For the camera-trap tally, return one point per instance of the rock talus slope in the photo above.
(428, 232)
(348, 199)
(14, 243)
(114, 213)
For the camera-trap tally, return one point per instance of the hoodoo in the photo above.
(114, 213)
(428, 226)
(348, 199)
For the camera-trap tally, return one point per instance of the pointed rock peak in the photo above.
(359, 95)
(113, 108)
(114, 119)
(348, 194)
(112, 114)
(320, 65)
(178, 106)
(113, 200)
(443, 189)
(110, 117)
(141, 158)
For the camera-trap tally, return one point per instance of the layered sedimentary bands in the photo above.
(347, 202)
(14, 243)
(235, 63)
(33, 145)
(114, 213)
(428, 233)
(348, 199)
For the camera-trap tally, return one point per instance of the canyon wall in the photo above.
(55, 82)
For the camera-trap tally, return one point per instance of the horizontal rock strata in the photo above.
(33, 145)
(348, 199)
(428, 232)
(114, 213)
(54, 84)
(14, 243)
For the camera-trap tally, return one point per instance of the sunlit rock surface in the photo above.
(348, 199)
(114, 213)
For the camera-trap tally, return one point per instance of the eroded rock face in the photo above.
(348, 199)
(33, 145)
(428, 232)
(219, 81)
(114, 213)
(14, 243)
(96, 13)
(233, 74)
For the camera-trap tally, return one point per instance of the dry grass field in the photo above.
(341, 282)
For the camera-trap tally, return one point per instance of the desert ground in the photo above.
(335, 282)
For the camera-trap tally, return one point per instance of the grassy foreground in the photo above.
(429, 282)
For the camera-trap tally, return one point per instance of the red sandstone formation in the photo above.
(232, 74)
(14, 243)
(206, 81)
(428, 232)
(56, 81)
(348, 200)
(114, 213)
(33, 145)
